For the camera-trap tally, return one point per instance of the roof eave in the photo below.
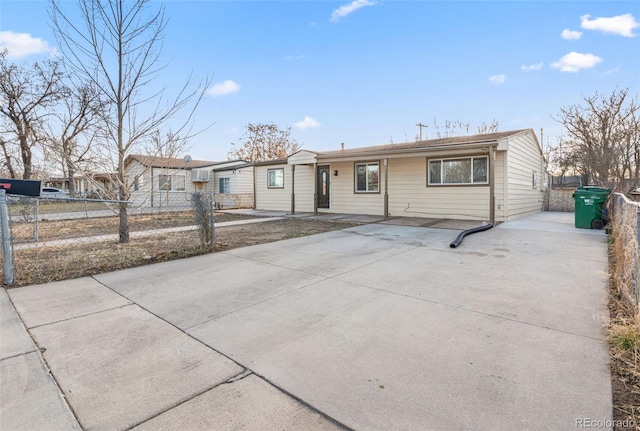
(402, 151)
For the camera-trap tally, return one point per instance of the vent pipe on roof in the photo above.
(342, 146)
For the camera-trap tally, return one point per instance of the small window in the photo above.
(223, 185)
(179, 182)
(136, 184)
(367, 177)
(275, 178)
(534, 181)
(164, 182)
(463, 170)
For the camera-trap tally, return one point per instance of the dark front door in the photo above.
(323, 186)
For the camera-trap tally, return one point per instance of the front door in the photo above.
(323, 179)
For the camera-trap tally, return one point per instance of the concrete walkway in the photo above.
(375, 327)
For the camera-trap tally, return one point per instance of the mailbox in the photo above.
(21, 187)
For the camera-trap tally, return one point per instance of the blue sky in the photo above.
(364, 72)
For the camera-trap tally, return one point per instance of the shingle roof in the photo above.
(169, 162)
(425, 144)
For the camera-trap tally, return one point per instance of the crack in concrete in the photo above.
(83, 315)
(245, 369)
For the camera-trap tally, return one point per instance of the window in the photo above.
(179, 182)
(367, 177)
(534, 181)
(275, 178)
(164, 182)
(223, 185)
(171, 182)
(463, 170)
(137, 183)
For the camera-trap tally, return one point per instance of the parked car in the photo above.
(52, 192)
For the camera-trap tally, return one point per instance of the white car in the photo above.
(52, 192)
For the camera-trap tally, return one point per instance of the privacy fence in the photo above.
(47, 239)
(625, 220)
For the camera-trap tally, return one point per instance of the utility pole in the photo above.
(420, 125)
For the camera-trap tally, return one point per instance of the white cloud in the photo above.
(348, 9)
(571, 34)
(610, 71)
(222, 88)
(575, 61)
(621, 24)
(532, 67)
(21, 45)
(498, 79)
(307, 123)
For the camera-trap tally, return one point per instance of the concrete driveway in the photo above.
(376, 327)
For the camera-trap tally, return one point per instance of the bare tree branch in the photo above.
(116, 46)
(264, 142)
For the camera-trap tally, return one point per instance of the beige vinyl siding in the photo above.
(171, 198)
(500, 186)
(244, 180)
(240, 188)
(409, 195)
(141, 197)
(304, 188)
(524, 159)
(343, 198)
(273, 199)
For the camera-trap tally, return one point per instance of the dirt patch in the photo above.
(46, 264)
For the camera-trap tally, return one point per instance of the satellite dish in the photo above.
(187, 159)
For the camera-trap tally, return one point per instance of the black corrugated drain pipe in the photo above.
(464, 233)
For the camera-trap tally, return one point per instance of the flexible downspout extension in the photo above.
(464, 233)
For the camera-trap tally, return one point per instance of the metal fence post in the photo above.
(7, 247)
(212, 218)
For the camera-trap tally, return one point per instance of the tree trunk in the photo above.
(25, 152)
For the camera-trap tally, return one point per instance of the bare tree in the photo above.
(116, 45)
(604, 138)
(456, 128)
(78, 119)
(27, 92)
(264, 142)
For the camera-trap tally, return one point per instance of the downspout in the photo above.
(254, 187)
(293, 189)
(151, 186)
(386, 189)
(315, 188)
(492, 185)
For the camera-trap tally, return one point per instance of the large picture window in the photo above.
(367, 177)
(275, 178)
(462, 170)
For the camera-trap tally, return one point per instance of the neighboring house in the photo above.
(100, 186)
(494, 177)
(169, 182)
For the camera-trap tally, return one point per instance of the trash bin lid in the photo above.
(594, 189)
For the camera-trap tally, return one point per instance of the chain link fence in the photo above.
(48, 239)
(625, 222)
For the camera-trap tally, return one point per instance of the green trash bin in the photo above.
(590, 202)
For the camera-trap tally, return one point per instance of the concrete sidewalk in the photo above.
(373, 327)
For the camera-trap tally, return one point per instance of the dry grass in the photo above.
(46, 264)
(624, 347)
